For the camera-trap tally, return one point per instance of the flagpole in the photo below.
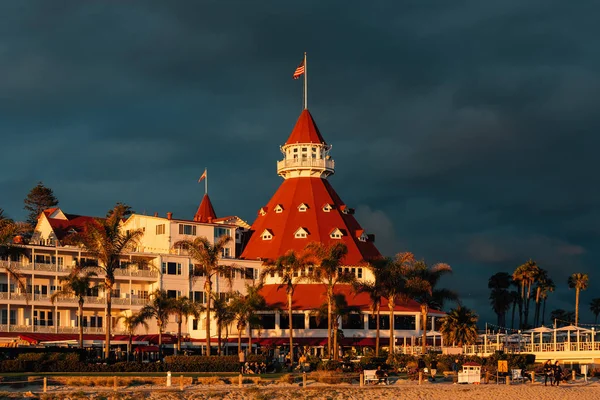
(305, 83)
(205, 182)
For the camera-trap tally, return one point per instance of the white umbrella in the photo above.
(574, 328)
(541, 329)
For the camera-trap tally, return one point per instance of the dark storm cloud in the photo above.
(465, 132)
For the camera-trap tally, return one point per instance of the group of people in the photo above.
(251, 368)
(421, 366)
(552, 372)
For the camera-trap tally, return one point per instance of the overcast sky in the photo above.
(463, 131)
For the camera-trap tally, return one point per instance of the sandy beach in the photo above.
(404, 390)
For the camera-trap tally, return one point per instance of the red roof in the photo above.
(312, 296)
(315, 193)
(305, 131)
(206, 212)
(63, 227)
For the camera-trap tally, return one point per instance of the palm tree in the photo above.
(8, 231)
(526, 274)
(562, 317)
(222, 314)
(548, 287)
(540, 286)
(159, 308)
(287, 267)
(76, 284)
(516, 301)
(375, 291)
(459, 326)
(421, 284)
(579, 282)
(104, 240)
(183, 308)
(595, 308)
(328, 260)
(131, 323)
(244, 308)
(207, 256)
(500, 298)
(394, 285)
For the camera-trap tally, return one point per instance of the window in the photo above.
(384, 322)
(297, 321)
(336, 234)
(164, 268)
(262, 211)
(353, 321)
(317, 323)
(363, 237)
(197, 296)
(222, 232)
(160, 229)
(278, 209)
(267, 235)
(171, 268)
(172, 294)
(187, 229)
(360, 275)
(226, 252)
(302, 207)
(301, 233)
(194, 324)
(266, 321)
(224, 296)
(327, 208)
(249, 273)
(404, 322)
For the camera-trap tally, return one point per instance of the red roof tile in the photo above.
(206, 212)
(312, 296)
(63, 227)
(305, 130)
(315, 192)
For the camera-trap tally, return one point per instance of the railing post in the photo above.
(304, 380)
(507, 380)
(362, 379)
(420, 377)
(45, 384)
(181, 383)
(240, 384)
(115, 383)
(169, 379)
(573, 375)
(532, 377)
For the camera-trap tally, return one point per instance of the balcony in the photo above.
(305, 164)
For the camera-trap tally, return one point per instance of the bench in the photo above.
(371, 376)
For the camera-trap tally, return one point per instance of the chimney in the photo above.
(169, 215)
(156, 214)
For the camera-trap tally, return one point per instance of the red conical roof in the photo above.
(305, 131)
(282, 218)
(206, 212)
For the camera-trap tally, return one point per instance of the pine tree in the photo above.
(37, 200)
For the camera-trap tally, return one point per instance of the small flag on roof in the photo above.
(299, 70)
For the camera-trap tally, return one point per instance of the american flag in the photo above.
(299, 71)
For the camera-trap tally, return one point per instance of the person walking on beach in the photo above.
(557, 373)
(433, 369)
(548, 372)
(242, 359)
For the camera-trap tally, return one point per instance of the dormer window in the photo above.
(363, 237)
(266, 235)
(278, 209)
(336, 234)
(327, 208)
(302, 207)
(301, 233)
(262, 211)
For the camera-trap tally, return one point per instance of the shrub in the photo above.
(208, 363)
(287, 378)
(209, 380)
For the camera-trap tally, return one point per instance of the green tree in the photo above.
(159, 308)
(244, 307)
(131, 323)
(207, 256)
(223, 315)
(595, 308)
(183, 308)
(76, 284)
(459, 326)
(39, 199)
(500, 298)
(104, 240)
(526, 274)
(328, 260)
(375, 290)
(287, 267)
(422, 282)
(11, 252)
(394, 286)
(579, 282)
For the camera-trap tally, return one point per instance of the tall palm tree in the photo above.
(500, 298)
(516, 302)
(595, 308)
(579, 282)
(183, 308)
(287, 268)
(222, 315)
(526, 274)
(540, 285)
(104, 240)
(375, 291)
(421, 282)
(394, 286)
(459, 326)
(131, 323)
(159, 308)
(328, 260)
(76, 284)
(207, 256)
(547, 287)
(244, 307)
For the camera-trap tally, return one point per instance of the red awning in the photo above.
(146, 349)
